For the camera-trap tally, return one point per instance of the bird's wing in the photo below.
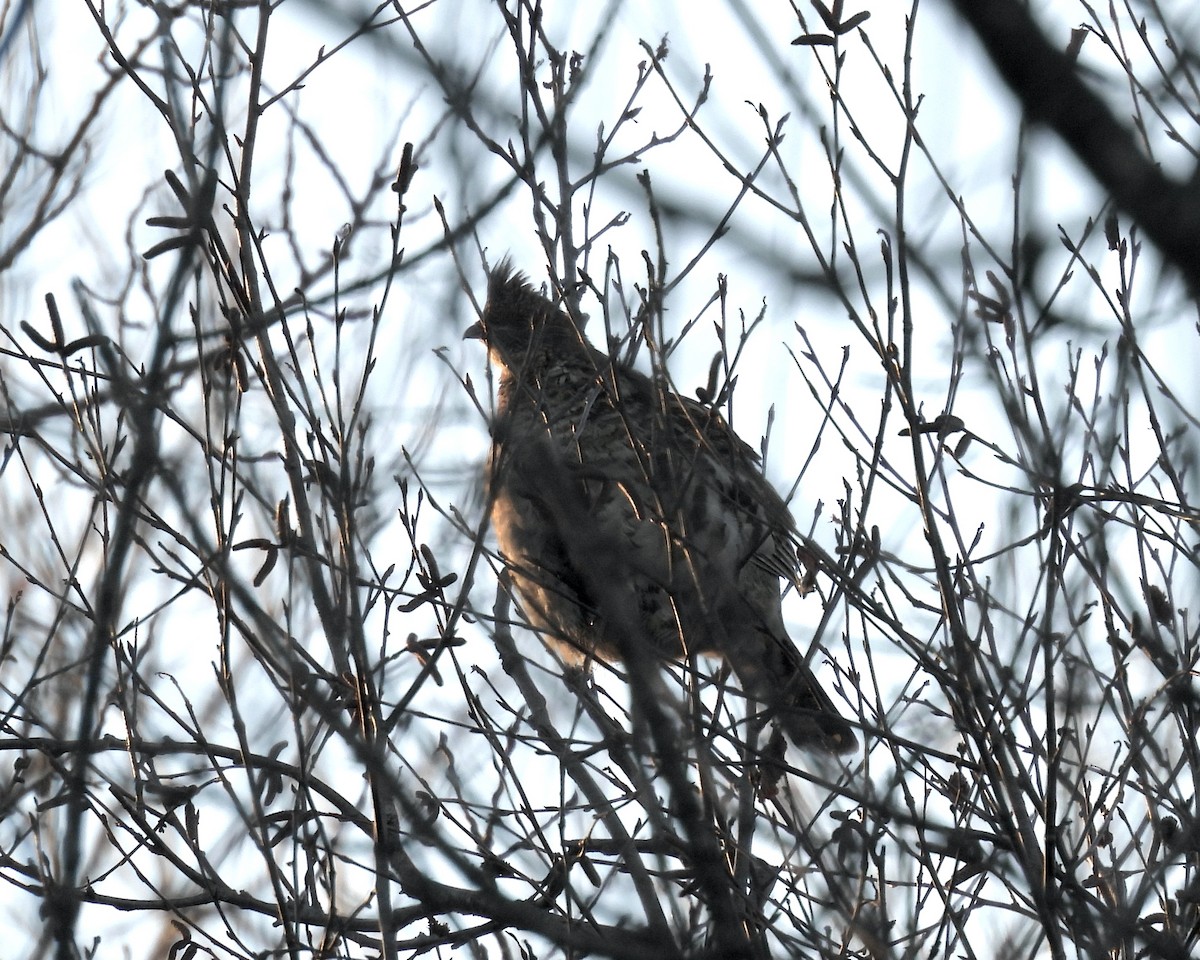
(734, 472)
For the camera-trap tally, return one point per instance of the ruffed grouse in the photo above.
(601, 476)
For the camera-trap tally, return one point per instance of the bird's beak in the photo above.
(474, 332)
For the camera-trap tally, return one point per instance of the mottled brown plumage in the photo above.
(600, 476)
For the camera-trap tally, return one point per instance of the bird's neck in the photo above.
(557, 379)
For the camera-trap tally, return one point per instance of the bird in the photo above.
(635, 524)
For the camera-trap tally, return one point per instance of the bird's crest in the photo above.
(518, 321)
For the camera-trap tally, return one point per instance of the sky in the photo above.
(365, 100)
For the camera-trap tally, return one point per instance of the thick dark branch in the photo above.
(1052, 93)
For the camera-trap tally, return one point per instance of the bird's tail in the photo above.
(777, 675)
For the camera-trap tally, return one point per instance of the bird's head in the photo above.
(519, 326)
